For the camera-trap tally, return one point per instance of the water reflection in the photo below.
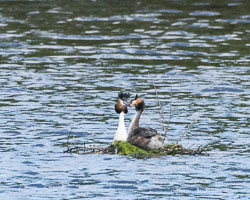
(62, 65)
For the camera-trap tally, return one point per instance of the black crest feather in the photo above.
(124, 95)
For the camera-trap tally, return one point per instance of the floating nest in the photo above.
(124, 148)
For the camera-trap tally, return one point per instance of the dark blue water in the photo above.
(62, 65)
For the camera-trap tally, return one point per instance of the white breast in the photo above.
(121, 132)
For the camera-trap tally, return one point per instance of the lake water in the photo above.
(62, 64)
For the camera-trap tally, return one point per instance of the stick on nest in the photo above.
(124, 148)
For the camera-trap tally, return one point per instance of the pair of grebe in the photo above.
(147, 138)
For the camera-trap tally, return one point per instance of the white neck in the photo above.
(135, 122)
(121, 132)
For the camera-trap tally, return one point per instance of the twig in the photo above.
(170, 114)
(186, 130)
(85, 149)
(162, 115)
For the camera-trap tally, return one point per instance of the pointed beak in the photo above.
(126, 103)
(129, 104)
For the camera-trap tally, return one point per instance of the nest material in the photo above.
(124, 148)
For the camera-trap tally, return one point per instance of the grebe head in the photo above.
(138, 103)
(122, 103)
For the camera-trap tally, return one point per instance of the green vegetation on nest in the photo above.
(124, 148)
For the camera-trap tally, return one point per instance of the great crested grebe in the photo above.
(142, 137)
(121, 108)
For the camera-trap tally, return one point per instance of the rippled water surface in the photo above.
(62, 64)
